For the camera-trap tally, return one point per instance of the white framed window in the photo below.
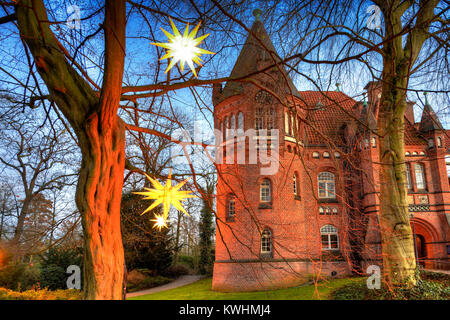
(328, 211)
(408, 176)
(439, 142)
(231, 206)
(330, 238)
(321, 211)
(266, 242)
(232, 122)
(326, 154)
(326, 185)
(265, 191)
(240, 122)
(315, 155)
(335, 211)
(337, 155)
(419, 171)
(407, 154)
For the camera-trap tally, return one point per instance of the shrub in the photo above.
(146, 283)
(54, 265)
(19, 276)
(175, 271)
(424, 290)
(45, 294)
(188, 261)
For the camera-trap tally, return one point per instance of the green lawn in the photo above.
(201, 290)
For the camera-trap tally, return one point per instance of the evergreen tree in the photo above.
(145, 247)
(206, 234)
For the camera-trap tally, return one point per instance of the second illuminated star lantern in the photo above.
(183, 48)
(166, 195)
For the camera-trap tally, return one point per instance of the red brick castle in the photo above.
(318, 214)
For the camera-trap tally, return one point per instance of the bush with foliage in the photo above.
(54, 265)
(175, 271)
(187, 261)
(19, 276)
(145, 247)
(45, 294)
(424, 290)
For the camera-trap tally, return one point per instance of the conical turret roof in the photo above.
(257, 53)
(430, 120)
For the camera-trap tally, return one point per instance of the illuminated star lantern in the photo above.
(160, 222)
(166, 195)
(183, 48)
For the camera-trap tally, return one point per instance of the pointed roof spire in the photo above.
(256, 54)
(257, 14)
(430, 120)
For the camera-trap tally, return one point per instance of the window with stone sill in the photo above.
(265, 191)
(330, 238)
(266, 243)
(326, 185)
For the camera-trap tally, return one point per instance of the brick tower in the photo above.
(268, 235)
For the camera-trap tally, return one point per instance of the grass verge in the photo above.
(201, 290)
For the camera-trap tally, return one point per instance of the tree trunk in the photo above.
(399, 262)
(101, 136)
(21, 220)
(98, 198)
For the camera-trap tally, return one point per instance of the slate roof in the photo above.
(250, 58)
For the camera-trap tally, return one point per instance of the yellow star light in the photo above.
(167, 196)
(183, 48)
(160, 222)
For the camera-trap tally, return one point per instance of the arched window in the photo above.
(259, 119)
(265, 191)
(408, 176)
(337, 155)
(231, 206)
(321, 211)
(264, 118)
(232, 122)
(326, 185)
(240, 123)
(266, 242)
(335, 211)
(315, 155)
(294, 184)
(439, 142)
(419, 171)
(407, 154)
(326, 154)
(329, 235)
